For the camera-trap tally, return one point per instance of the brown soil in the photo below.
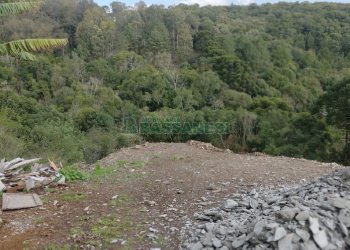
(159, 186)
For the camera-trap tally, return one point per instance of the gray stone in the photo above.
(209, 226)
(217, 243)
(286, 242)
(272, 225)
(224, 248)
(221, 230)
(296, 238)
(329, 223)
(287, 213)
(212, 214)
(280, 232)
(345, 173)
(326, 206)
(314, 226)
(343, 228)
(313, 216)
(152, 236)
(203, 217)
(309, 245)
(230, 204)
(347, 241)
(344, 217)
(253, 203)
(259, 227)
(197, 246)
(239, 241)
(304, 235)
(302, 216)
(341, 203)
(207, 239)
(276, 208)
(321, 239)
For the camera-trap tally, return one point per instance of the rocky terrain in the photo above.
(152, 195)
(311, 216)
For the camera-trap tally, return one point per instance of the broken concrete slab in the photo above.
(20, 163)
(19, 173)
(2, 164)
(9, 163)
(2, 186)
(13, 201)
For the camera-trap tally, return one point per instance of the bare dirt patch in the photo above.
(145, 195)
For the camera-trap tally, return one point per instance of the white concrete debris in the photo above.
(20, 174)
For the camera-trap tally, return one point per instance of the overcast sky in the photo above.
(212, 2)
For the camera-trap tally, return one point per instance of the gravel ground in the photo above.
(159, 188)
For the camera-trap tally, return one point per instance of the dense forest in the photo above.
(277, 76)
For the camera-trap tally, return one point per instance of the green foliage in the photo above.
(234, 99)
(11, 8)
(89, 118)
(57, 140)
(242, 130)
(272, 74)
(10, 146)
(95, 29)
(270, 103)
(23, 48)
(73, 173)
(308, 137)
(335, 103)
(99, 144)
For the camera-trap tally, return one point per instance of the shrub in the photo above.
(89, 118)
(10, 146)
(72, 173)
(58, 141)
(100, 143)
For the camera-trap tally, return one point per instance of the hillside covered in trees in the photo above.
(276, 77)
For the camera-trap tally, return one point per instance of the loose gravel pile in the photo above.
(311, 216)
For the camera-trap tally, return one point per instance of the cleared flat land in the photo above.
(146, 192)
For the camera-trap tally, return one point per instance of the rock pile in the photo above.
(311, 216)
(205, 146)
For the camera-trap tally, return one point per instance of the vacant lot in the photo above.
(142, 196)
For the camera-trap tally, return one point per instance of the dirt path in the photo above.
(142, 196)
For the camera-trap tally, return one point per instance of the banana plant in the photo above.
(24, 48)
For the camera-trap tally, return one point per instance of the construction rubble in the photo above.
(20, 175)
(306, 217)
(206, 146)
